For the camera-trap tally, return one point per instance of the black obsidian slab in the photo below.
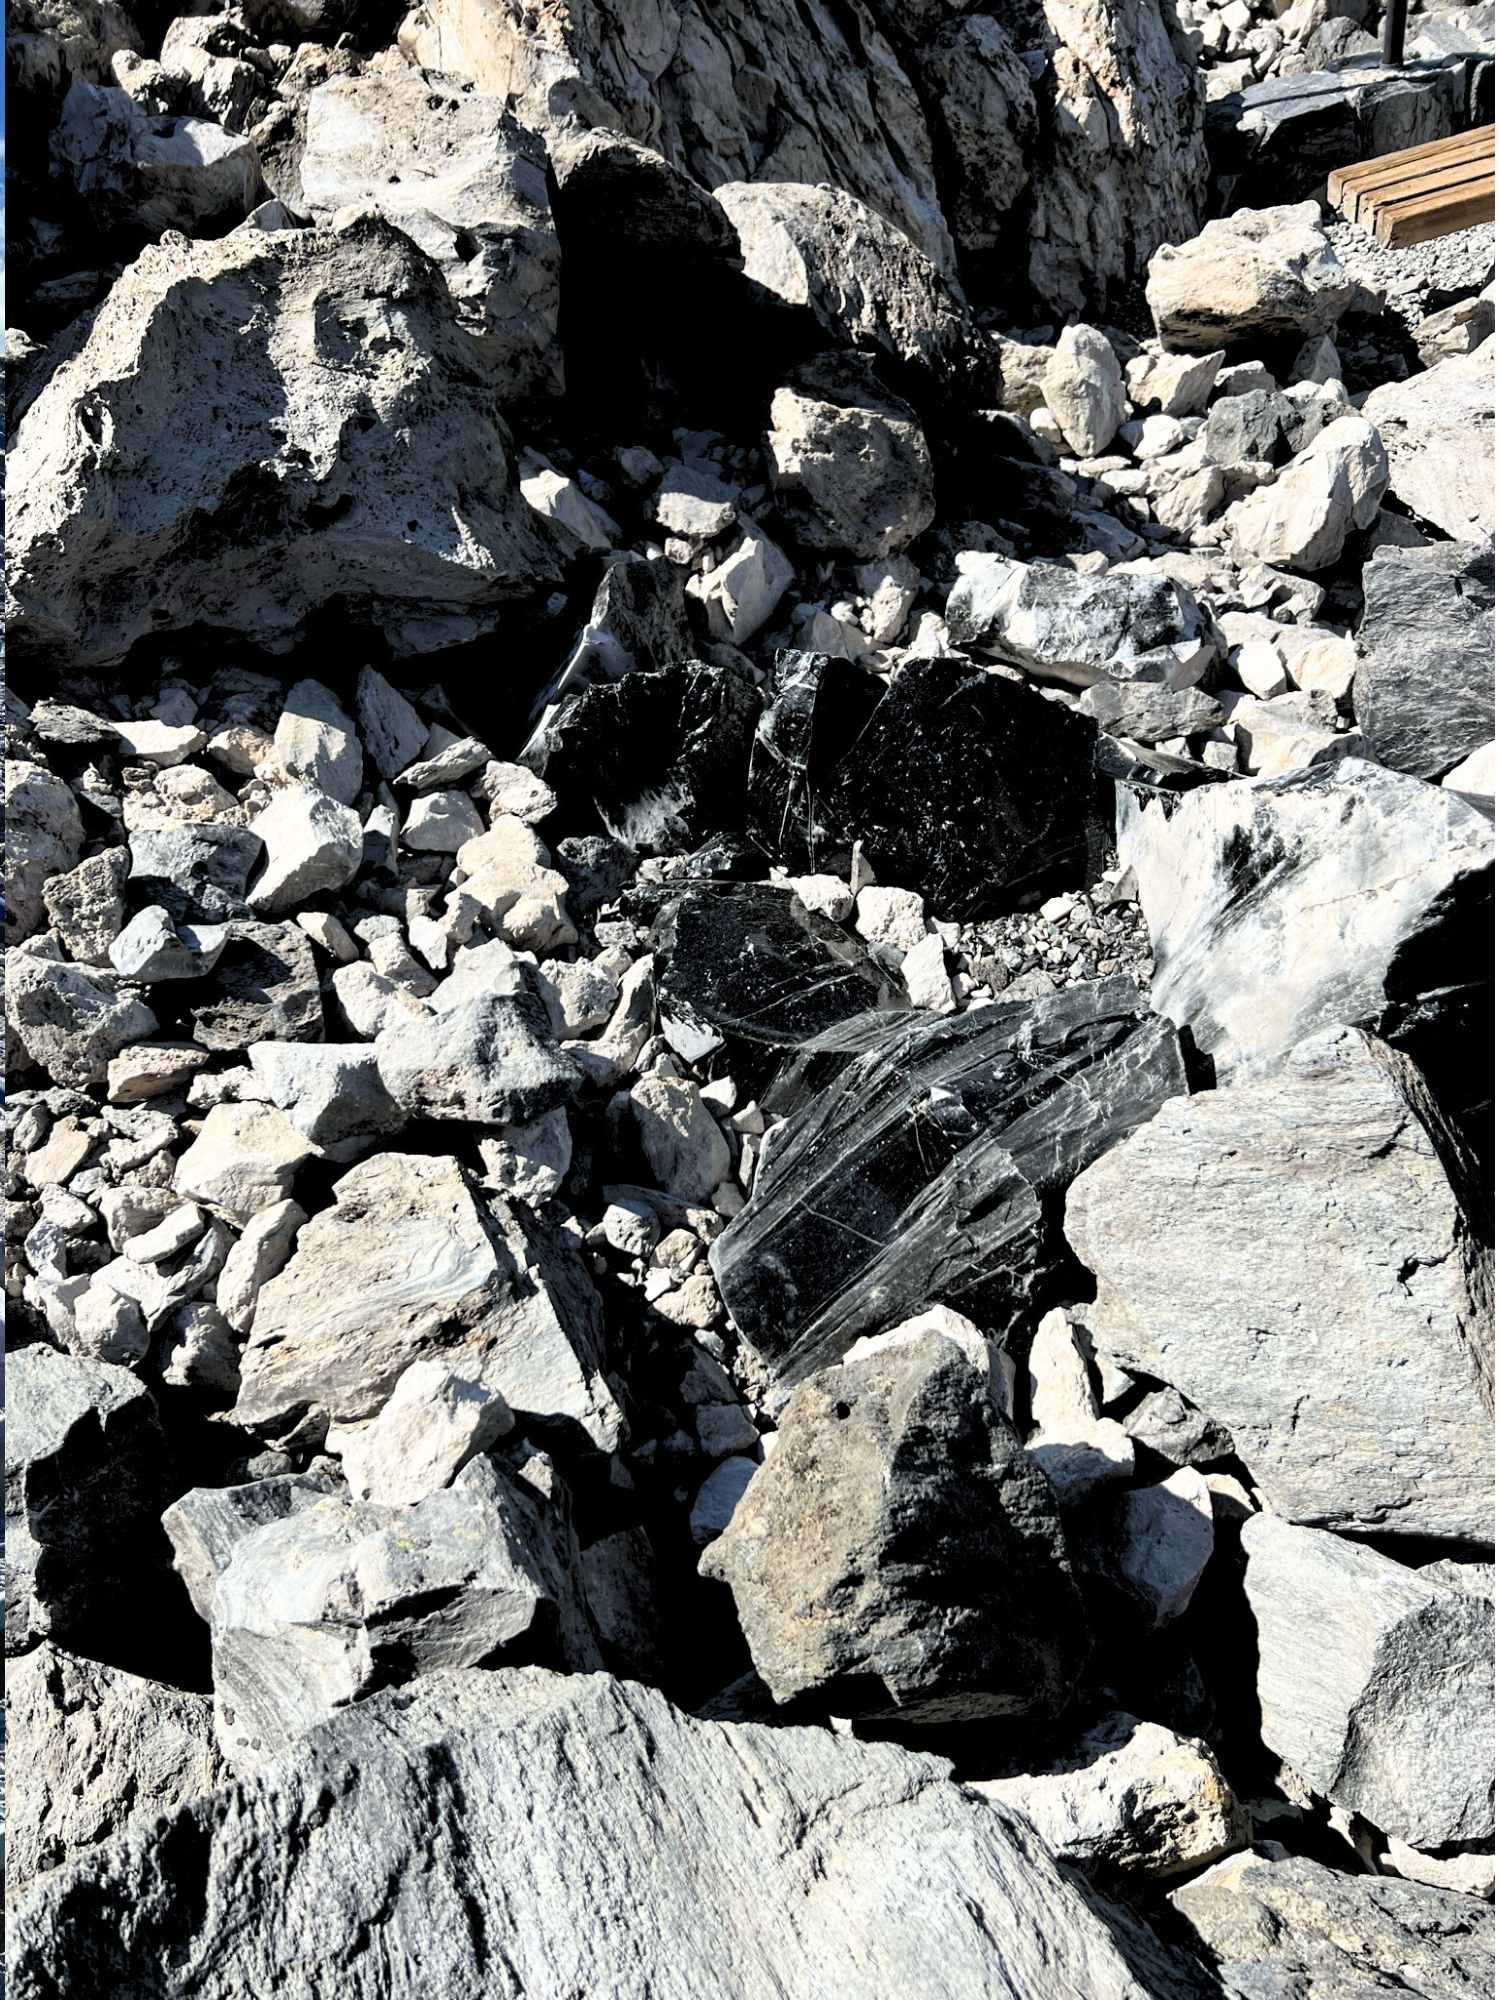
(661, 757)
(818, 706)
(924, 1162)
(975, 790)
(746, 962)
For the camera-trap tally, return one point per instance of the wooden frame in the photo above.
(1426, 191)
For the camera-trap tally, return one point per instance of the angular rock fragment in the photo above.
(84, 1470)
(818, 707)
(1076, 1449)
(920, 1163)
(316, 745)
(602, 1766)
(150, 174)
(432, 1424)
(1126, 1796)
(70, 1022)
(1438, 429)
(1424, 694)
(341, 1597)
(661, 757)
(1397, 1721)
(747, 962)
(331, 1092)
(1152, 1545)
(84, 905)
(199, 874)
(1261, 273)
(43, 837)
(1410, 871)
(1085, 391)
(407, 1265)
(208, 1523)
(1279, 1922)
(899, 1555)
(850, 463)
(1304, 517)
(265, 988)
(92, 1749)
(244, 1158)
(1082, 630)
(1348, 1346)
(489, 1061)
(976, 792)
(287, 498)
(312, 844)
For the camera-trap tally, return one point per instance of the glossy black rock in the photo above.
(923, 1162)
(819, 704)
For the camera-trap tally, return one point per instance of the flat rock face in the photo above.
(83, 1480)
(538, 1805)
(1438, 428)
(91, 1749)
(916, 1161)
(1424, 694)
(1237, 884)
(1376, 1683)
(454, 170)
(1347, 1348)
(1279, 1923)
(406, 1263)
(899, 1554)
(266, 508)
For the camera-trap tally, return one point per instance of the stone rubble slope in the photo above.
(750, 791)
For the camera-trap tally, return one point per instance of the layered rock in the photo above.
(1348, 1349)
(918, 1163)
(386, 486)
(376, 1877)
(899, 1554)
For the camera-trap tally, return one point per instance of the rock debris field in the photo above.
(749, 788)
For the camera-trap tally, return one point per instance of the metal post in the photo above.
(1395, 33)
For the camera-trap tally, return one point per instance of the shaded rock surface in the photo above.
(1424, 693)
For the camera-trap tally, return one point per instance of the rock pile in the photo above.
(750, 823)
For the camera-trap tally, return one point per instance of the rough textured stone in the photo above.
(1376, 1683)
(341, 1597)
(1126, 1795)
(1304, 517)
(1085, 391)
(293, 505)
(148, 174)
(1425, 690)
(83, 1477)
(206, 1525)
(432, 1424)
(1260, 274)
(1348, 1348)
(265, 988)
(1438, 428)
(1280, 1923)
(909, 1172)
(244, 1158)
(407, 1265)
(833, 1899)
(1081, 629)
(92, 1749)
(850, 463)
(43, 837)
(898, 1553)
(70, 1022)
(488, 1061)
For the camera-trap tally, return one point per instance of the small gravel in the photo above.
(1423, 276)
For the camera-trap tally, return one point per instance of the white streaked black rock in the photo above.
(1424, 695)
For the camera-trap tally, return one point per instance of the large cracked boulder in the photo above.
(1424, 694)
(899, 1554)
(586, 1837)
(1346, 893)
(91, 1749)
(451, 168)
(332, 445)
(406, 1264)
(1259, 274)
(1397, 1723)
(84, 1469)
(1278, 1923)
(1346, 1342)
(850, 463)
(1438, 428)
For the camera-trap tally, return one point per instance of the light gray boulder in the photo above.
(316, 744)
(84, 1464)
(92, 1749)
(1438, 428)
(1278, 1923)
(391, 485)
(331, 1093)
(341, 1597)
(1061, 626)
(850, 462)
(1259, 274)
(84, 904)
(1302, 520)
(244, 1158)
(1152, 1544)
(1149, 711)
(149, 174)
(450, 167)
(1424, 693)
(432, 1424)
(208, 1523)
(1125, 1796)
(312, 844)
(1346, 1345)
(898, 1554)
(1253, 974)
(43, 838)
(69, 1021)
(151, 948)
(394, 734)
(1376, 1683)
(408, 1264)
(490, 1060)
(1084, 390)
(558, 1825)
